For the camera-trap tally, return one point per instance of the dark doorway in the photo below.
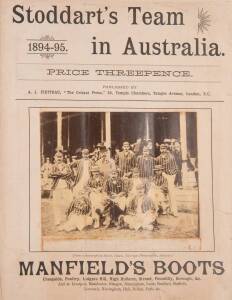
(155, 126)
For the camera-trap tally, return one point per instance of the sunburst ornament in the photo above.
(204, 20)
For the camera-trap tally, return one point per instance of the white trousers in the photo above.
(171, 187)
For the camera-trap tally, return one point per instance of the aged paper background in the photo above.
(24, 81)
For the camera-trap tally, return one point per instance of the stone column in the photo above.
(187, 177)
(102, 126)
(108, 129)
(59, 131)
(68, 129)
(147, 129)
(183, 134)
(42, 144)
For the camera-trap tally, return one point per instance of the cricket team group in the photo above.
(129, 191)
